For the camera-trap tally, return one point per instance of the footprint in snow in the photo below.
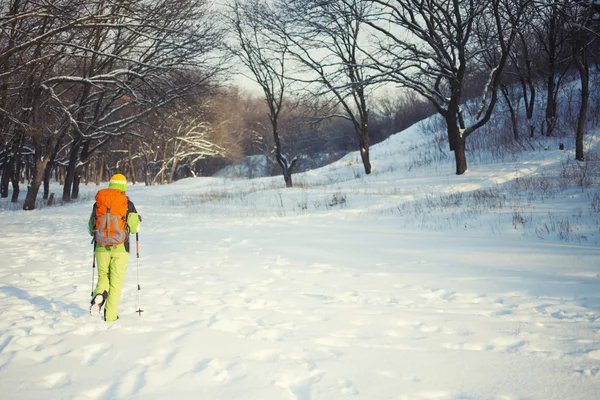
(471, 346)
(508, 343)
(300, 388)
(132, 382)
(269, 355)
(56, 380)
(92, 353)
(594, 354)
(281, 261)
(347, 387)
(212, 369)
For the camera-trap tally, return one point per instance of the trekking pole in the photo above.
(93, 266)
(137, 251)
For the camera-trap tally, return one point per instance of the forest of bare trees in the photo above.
(90, 88)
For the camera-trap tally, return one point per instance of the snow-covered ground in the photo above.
(410, 283)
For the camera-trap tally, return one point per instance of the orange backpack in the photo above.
(111, 217)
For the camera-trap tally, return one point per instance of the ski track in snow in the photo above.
(240, 318)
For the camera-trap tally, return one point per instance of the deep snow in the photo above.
(410, 283)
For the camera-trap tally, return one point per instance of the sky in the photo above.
(411, 283)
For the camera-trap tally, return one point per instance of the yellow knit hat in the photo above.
(118, 181)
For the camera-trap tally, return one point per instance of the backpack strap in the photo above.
(130, 209)
(93, 227)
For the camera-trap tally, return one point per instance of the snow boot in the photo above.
(97, 303)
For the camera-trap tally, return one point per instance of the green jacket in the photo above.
(133, 224)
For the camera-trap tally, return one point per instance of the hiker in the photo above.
(113, 218)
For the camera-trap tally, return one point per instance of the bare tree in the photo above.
(428, 47)
(523, 63)
(522, 71)
(550, 27)
(326, 40)
(583, 17)
(130, 66)
(187, 138)
(519, 69)
(25, 58)
(266, 60)
(98, 68)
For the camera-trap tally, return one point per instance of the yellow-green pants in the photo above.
(112, 265)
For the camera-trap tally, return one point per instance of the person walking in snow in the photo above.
(113, 219)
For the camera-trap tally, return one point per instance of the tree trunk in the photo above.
(581, 61)
(579, 153)
(47, 176)
(100, 170)
(531, 127)
(144, 161)
(71, 167)
(287, 177)
(281, 160)
(363, 133)
(76, 182)
(82, 161)
(460, 156)
(27, 174)
(285, 170)
(16, 170)
(171, 177)
(457, 143)
(6, 174)
(34, 185)
(550, 105)
(529, 105)
(163, 166)
(553, 29)
(364, 150)
(132, 176)
(48, 170)
(527, 84)
(88, 172)
(513, 114)
(9, 41)
(39, 169)
(146, 170)
(155, 164)
(11, 168)
(16, 189)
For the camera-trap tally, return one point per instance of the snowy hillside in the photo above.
(411, 283)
